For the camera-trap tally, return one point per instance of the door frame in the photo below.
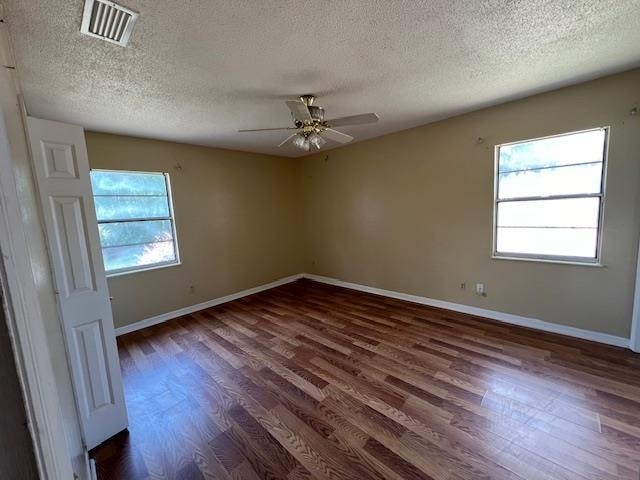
(24, 319)
(26, 328)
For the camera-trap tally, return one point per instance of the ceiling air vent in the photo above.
(108, 21)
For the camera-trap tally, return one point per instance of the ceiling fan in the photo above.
(312, 130)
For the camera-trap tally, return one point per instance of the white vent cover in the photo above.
(108, 21)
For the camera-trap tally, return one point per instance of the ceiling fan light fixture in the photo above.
(302, 142)
(316, 140)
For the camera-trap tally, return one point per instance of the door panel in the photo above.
(59, 160)
(70, 240)
(62, 172)
(89, 343)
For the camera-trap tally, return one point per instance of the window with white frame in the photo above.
(135, 220)
(549, 195)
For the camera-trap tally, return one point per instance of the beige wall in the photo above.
(237, 218)
(412, 211)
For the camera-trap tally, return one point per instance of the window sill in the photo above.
(597, 264)
(144, 269)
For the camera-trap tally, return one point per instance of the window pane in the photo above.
(567, 242)
(118, 258)
(127, 183)
(134, 219)
(552, 181)
(129, 233)
(547, 152)
(125, 207)
(568, 212)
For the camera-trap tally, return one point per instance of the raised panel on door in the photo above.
(91, 354)
(69, 233)
(60, 160)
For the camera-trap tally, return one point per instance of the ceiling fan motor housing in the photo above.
(317, 113)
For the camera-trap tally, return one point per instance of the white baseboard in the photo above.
(456, 307)
(201, 306)
(481, 312)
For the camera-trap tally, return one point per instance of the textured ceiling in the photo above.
(197, 71)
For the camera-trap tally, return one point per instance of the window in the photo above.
(549, 194)
(135, 220)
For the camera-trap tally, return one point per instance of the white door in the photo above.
(61, 168)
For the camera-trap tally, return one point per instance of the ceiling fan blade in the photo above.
(299, 110)
(354, 120)
(268, 129)
(336, 136)
(287, 140)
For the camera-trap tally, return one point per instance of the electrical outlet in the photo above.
(480, 290)
(463, 286)
(192, 289)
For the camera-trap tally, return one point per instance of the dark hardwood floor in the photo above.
(313, 381)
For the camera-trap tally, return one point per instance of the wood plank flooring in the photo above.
(312, 381)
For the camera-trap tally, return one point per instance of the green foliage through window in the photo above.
(134, 219)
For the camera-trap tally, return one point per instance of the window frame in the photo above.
(557, 259)
(171, 218)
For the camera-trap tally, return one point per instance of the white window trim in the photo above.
(146, 268)
(556, 259)
(171, 218)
